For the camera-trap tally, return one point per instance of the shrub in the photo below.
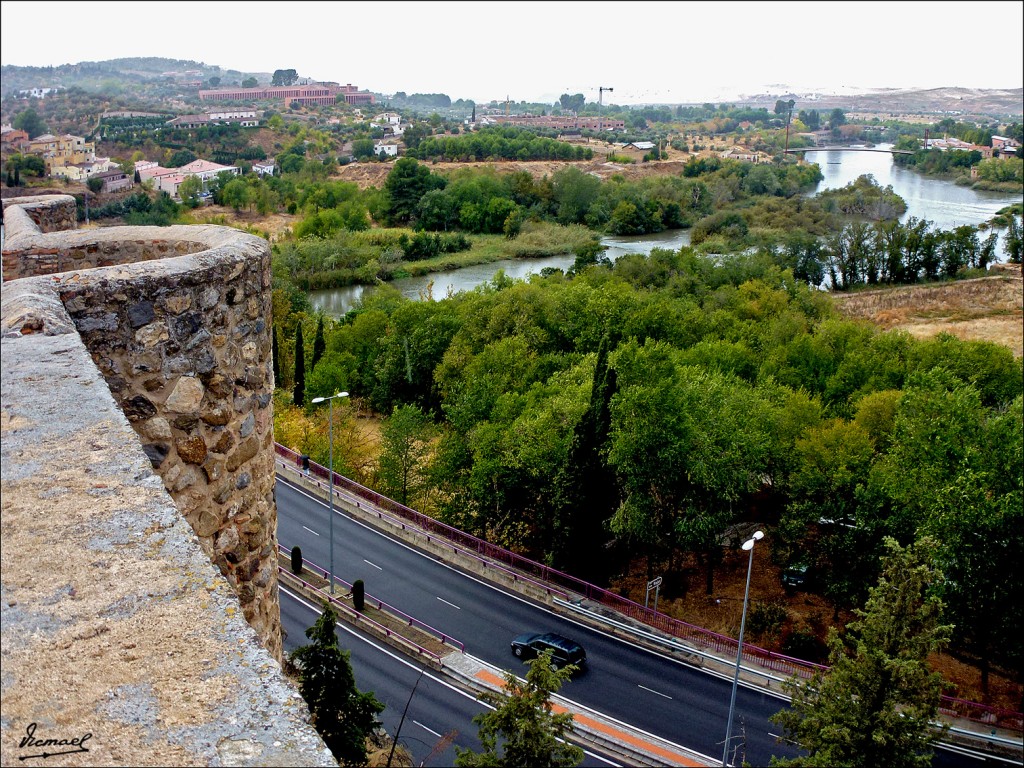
(766, 619)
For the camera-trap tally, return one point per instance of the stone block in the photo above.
(191, 449)
(186, 395)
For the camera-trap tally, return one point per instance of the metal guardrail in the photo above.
(410, 621)
(482, 561)
(698, 636)
(361, 618)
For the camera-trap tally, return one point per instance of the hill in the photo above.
(115, 74)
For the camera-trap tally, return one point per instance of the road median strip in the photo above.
(380, 623)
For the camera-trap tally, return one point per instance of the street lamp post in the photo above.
(748, 545)
(330, 496)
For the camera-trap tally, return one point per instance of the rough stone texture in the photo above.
(114, 621)
(150, 329)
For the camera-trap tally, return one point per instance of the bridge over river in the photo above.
(793, 151)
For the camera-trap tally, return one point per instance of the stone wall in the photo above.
(25, 254)
(117, 629)
(49, 213)
(180, 329)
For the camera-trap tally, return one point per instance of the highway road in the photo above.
(646, 690)
(439, 716)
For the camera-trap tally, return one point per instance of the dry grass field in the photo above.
(984, 309)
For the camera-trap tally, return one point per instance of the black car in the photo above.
(563, 650)
(795, 576)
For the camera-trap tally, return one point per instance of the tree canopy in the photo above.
(342, 715)
(523, 729)
(875, 704)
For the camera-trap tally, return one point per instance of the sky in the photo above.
(645, 52)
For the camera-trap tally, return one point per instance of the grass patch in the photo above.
(537, 240)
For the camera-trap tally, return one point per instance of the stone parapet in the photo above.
(180, 330)
(116, 627)
(49, 213)
(178, 327)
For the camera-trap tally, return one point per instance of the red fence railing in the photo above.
(690, 633)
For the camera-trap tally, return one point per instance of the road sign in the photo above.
(654, 583)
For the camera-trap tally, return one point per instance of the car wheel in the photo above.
(518, 651)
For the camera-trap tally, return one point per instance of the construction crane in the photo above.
(600, 103)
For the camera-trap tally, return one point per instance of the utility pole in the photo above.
(789, 119)
(600, 103)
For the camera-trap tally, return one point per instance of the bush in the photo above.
(803, 643)
(358, 594)
(766, 619)
(296, 561)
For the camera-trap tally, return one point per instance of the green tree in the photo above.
(275, 357)
(95, 185)
(189, 191)
(362, 149)
(404, 449)
(284, 77)
(404, 187)
(181, 157)
(249, 82)
(237, 194)
(687, 444)
(978, 516)
(530, 733)
(586, 494)
(572, 103)
(574, 192)
(341, 714)
(319, 345)
(875, 704)
(299, 392)
(1015, 239)
(29, 122)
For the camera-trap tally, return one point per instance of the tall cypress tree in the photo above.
(876, 703)
(299, 393)
(586, 492)
(342, 714)
(319, 345)
(275, 356)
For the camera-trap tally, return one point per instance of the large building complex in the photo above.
(321, 94)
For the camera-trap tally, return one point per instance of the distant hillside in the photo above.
(118, 73)
(965, 102)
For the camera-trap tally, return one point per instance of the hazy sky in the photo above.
(535, 51)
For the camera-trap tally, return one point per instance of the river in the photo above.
(337, 301)
(942, 202)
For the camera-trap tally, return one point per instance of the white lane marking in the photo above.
(311, 531)
(453, 605)
(407, 663)
(654, 691)
(421, 725)
(373, 564)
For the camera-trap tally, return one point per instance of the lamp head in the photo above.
(318, 399)
(749, 543)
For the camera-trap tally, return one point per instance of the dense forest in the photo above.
(640, 409)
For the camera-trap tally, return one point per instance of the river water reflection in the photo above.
(942, 202)
(337, 301)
